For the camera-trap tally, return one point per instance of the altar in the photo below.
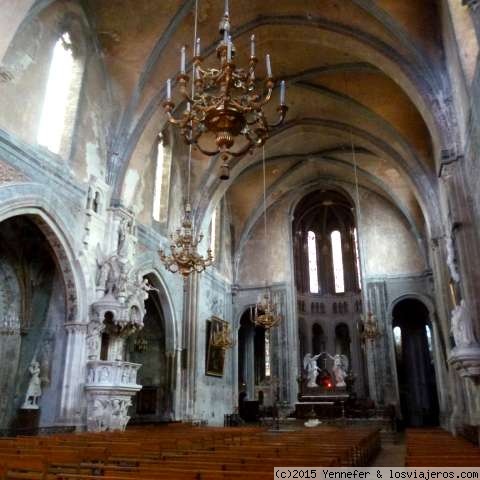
(323, 394)
(321, 402)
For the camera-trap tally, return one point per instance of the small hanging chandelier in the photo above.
(224, 101)
(266, 312)
(184, 258)
(370, 330)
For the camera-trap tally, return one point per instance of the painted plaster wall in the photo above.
(389, 246)
(213, 395)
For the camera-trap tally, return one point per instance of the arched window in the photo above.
(161, 189)
(312, 263)
(61, 98)
(397, 339)
(337, 261)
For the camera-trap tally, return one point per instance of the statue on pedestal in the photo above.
(462, 329)
(340, 368)
(310, 365)
(34, 390)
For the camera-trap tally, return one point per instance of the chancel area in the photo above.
(252, 225)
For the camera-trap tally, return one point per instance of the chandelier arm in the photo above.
(181, 122)
(209, 153)
(282, 109)
(244, 150)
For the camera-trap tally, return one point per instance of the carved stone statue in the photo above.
(34, 390)
(340, 369)
(94, 339)
(462, 329)
(147, 287)
(310, 365)
(452, 259)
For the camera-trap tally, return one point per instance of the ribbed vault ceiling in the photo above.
(358, 71)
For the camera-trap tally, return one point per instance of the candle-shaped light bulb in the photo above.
(269, 66)
(188, 107)
(282, 92)
(197, 51)
(169, 89)
(183, 60)
(226, 8)
(252, 46)
(229, 49)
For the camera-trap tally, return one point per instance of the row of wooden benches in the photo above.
(179, 452)
(438, 448)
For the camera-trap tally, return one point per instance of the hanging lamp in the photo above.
(226, 102)
(266, 312)
(184, 257)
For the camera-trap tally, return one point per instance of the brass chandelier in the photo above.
(184, 258)
(224, 101)
(370, 330)
(266, 310)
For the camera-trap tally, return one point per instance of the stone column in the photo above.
(72, 395)
(249, 364)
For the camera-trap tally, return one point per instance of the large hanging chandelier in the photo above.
(224, 101)
(184, 258)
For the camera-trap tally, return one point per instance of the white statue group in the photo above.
(339, 369)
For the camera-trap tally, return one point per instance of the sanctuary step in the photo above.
(183, 452)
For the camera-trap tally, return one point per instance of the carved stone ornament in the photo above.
(110, 387)
(9, 174)
(473, 4)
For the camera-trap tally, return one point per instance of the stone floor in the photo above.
(392, 454)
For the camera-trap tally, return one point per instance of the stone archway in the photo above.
(38, 299)
(154, 348)
(413, 349)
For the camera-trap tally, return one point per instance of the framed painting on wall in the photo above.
(215, 356)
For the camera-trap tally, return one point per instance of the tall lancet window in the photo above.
(337, 261)
(157, 193)
(312, 262)
(58, 95)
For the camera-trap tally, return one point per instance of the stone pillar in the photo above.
(189, 334)
(72, 394)
(249, 364)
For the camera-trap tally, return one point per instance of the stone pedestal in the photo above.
(26, 422)
(466, 360)
(110, 387)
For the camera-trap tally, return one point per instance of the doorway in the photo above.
(153, 403)
(412, 335)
